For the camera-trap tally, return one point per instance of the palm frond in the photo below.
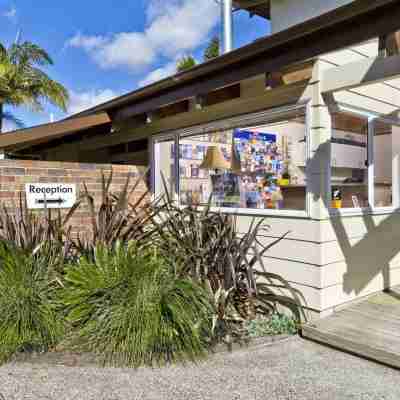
(23, 82)
(28, 53)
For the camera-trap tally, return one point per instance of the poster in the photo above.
(262, 165)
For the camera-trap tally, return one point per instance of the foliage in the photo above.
(31, 232)
(28, 286)
(212, 50)
(116, 218)
(154, 282)
(277, 324)
(130, 308)
(207, 247)
(23, 82)
(185, 63)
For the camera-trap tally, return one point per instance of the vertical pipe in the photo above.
(227, 26)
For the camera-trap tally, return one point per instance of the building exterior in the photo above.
(301, 127)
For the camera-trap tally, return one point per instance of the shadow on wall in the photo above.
(368, 256)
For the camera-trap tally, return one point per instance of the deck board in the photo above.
(370, 328)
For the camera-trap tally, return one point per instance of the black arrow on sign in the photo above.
(50, 201)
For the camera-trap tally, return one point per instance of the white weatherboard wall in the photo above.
(299, 256)
(360, 254)
(286, 13)
(336, 260)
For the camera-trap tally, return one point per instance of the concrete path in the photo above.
(293, 370)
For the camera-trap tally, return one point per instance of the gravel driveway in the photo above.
(294, 369)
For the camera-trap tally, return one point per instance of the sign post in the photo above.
(50, 195)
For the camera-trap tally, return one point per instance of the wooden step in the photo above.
(370, 329)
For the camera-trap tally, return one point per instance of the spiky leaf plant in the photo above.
(28, 285)
(29, 231)
(207, 247)
(130, 308)
(116, 218)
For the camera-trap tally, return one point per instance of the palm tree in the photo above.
(212, 50)
(24, 83)
(186, 62)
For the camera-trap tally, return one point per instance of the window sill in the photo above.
(258, 212)
(354, 212)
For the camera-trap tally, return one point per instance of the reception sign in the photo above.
(50, 195)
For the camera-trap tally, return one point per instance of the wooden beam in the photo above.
(29, 137)
(140, 157)
(289, 94)
(292, 74)
(359, 73)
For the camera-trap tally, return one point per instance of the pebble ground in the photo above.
(291, 370)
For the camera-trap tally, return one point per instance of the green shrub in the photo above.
(115, 218)
(207, 247)
(29, 319)
(277, 324)
(130, 308)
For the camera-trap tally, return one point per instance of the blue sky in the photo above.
(104, 49)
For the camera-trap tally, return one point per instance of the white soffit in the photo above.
(394, 83)
(342, 57)
(369, 49)
(380, 91)
(365, 102)
(352, 54)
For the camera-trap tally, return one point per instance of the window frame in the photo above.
(371, 209)
(243, 121)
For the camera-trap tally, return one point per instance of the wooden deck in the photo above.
(370, 328)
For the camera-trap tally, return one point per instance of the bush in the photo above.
(28, 286)
(131, 309)
(116, 218)
(277, 324)
(207, 247)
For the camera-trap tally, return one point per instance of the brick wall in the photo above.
(14, 174)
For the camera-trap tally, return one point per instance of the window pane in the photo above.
(164, 160)
(257, 167)
(349, 172)
(383, 159)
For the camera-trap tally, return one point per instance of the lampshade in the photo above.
(214, 159)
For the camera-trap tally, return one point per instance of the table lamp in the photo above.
(214, 159)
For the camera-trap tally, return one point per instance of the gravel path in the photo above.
(291, 370)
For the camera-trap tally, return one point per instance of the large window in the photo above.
(349, 155)
(363, 155)
(259, 166)
(384, 147)
(164, 157)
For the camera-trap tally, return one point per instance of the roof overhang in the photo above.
(356, 22)
(24, 138)
(348, 25)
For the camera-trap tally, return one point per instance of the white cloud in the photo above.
(11, 13)
(125, 49)
(173, 27)
(86, 42)
(80, 101)
(158, 74)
